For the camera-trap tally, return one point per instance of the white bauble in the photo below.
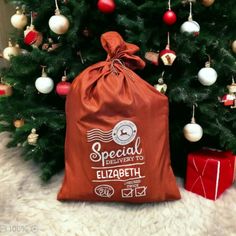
(44, 84)
(19, 20)
(59, 24)
(191, 27)
(207, 76)
(10, 51)
(234, 46)
(193, 132)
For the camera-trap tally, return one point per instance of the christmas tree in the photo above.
(49, 48)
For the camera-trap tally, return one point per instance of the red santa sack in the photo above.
(117, 144)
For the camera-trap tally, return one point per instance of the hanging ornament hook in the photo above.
(162, 74)
(31, 18)
(168, 41)
(17, 9)
(233, 80)
(208, 63)
(57, 11)
(23, 9)
(10, 43)
(209, 57)
(187, 1)
(169, 5)
(190, 18)
(193, 114)
(168, 38)
(44, 74)
(64, 77)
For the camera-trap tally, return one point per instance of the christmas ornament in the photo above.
(19, 19)
(19, 123)
(32, 137)
(234, 46)
(11, 50)
(44, 84)
(58, 23)
(167, 56)
(207, 75)
(153, 57)
(50, 46)
(106, 6)
(190, 26)
(169, 16)
(207, 3)
(161, 86)
(5, 89)
(63, 87)
(230, 98)
(232, 87)
(192, 131)
(87, 32)
(32, 36)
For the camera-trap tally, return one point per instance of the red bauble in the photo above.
(5, 90)
(32, 37)
(106, 6)
(63, 88)
(169, 17)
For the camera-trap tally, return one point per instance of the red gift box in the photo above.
(210, 172)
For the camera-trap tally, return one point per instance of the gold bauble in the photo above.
(207, 3)
(11, 51)
(19, 20)
(5, 89)
(19, 123)
(234, 46)
(32, 137)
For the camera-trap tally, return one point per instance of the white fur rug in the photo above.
(28, 207)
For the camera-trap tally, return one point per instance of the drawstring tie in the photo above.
(116, 72)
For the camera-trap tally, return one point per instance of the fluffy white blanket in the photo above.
(29, 207)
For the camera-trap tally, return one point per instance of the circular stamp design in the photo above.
(124, 132)
(104, 190)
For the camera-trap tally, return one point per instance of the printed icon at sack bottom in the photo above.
(104, 190)
(134, 192)
(127, 192)
(140, 191)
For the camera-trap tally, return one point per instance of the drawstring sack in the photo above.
(117, 137)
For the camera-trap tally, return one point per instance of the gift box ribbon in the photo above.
(201, 175)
